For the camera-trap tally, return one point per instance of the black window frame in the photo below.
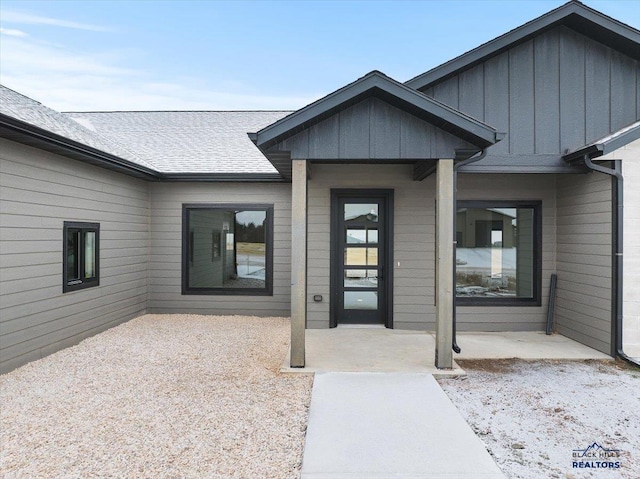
(80, 283)
(187, 249)
(536, 299)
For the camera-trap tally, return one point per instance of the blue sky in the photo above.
(215, 55)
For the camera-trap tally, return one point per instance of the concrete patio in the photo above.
(377, 349)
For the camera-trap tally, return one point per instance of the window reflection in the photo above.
(361, 212)
(495, 252)
(239, 260)
(361, 256)
(367, 300)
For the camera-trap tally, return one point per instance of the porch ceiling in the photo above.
(372, 119)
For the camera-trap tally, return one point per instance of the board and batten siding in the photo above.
(551, 94)
(583, 259)
(39, 191)
(540, 187)
(372, 129)
(165, 268)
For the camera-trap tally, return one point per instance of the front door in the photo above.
(361, 257)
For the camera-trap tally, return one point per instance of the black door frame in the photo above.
(387, 196)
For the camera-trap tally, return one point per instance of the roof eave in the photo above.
(224, 177)
(607, 145)
(31, 135)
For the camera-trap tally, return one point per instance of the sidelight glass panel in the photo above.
(90, 254)
(361, 212)
(372, 236)
(360, 256)
(367, 300)
(361, 278)
(495, 252)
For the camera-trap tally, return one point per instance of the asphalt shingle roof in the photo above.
(187, 141)
(23, 108)
(164, 141)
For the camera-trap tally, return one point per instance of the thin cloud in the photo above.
(30, 19)
(21, 55)
(12, 33)
(68, 81)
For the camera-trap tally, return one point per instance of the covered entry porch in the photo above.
(377, 349)
(372, 122)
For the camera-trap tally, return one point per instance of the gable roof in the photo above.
(379, 85)
(607, 144)
(573, 15)
(188, 142)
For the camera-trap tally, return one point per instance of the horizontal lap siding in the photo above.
(38, 192)
(513, 187)
(583, 303)
(165, 295)
(414, 233)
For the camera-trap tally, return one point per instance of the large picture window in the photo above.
(227, 249)
(80, 256)
(498, 258)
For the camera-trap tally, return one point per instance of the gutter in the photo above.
(17, 130)
(456, 167)
(617, 253)
(72, 147)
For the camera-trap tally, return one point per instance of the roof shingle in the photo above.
(187, 141)
(20, 107)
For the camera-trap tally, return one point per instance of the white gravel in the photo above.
(186, 396)
(159, 396)
(532, 415)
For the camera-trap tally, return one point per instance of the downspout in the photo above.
(617, 233)
(456, 167)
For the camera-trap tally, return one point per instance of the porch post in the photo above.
(445, 209)
(298, 261)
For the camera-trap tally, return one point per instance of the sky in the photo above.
(95, 55)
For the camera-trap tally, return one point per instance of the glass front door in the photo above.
(360, 260)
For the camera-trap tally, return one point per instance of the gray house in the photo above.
(347, 210)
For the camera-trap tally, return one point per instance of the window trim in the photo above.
(186, 251)
(536, 299)
(84, 227)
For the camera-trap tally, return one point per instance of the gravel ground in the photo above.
(532, 415)
(159, 396)
(185, 396)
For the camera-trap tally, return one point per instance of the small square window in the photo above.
(81, 256)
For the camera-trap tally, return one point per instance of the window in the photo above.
(81, 256)
(498, 259)
(227, 249)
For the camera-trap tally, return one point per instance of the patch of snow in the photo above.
(533, 416)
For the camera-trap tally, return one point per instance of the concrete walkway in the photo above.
(389, 425)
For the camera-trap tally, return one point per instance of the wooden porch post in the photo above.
(298, 261)
(445, 209)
